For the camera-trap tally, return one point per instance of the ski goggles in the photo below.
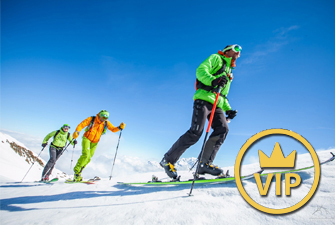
(235, 48)
(66, 127)
(104, 116)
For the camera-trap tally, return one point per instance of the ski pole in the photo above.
(203, 145)
(33, 164)
(72, 155)
(56, 160)
(196, 161)
(110, 177)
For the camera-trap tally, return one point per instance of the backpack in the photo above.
(68, 135)
(89, 127)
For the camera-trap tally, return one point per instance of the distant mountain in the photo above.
(181, 164)
(185, 163)
(128, 164)
(154, 164)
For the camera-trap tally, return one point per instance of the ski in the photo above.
(49, 181)
(197, 181)
(89, 181)
(155, 180)
(83, 182)
(330, 159)
(305, 168)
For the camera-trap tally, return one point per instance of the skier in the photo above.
(96, 126)
(215, 71)
(61, 136)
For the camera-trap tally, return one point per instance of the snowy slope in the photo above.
(107, 202)
(14, 165)
(101, 163)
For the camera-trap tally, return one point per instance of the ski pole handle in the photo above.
(217, 89)
(74, 141)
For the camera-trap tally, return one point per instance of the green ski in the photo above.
(221, 180)
(198, 181)
(49, 181)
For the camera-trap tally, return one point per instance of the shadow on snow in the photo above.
(10, 204)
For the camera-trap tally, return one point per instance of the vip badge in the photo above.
(277, 160)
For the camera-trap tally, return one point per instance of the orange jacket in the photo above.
(96, 130)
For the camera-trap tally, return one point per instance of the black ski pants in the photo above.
(55, 153)
(201, 111)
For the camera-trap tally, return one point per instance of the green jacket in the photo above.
(204, 74)
(60, 140)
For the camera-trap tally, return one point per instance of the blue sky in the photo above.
(64, 61)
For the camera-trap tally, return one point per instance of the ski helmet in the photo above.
(66, 126)
(104, 113)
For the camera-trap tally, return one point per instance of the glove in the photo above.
(231, 114)
(44, 144)
(75, 134)
(75, 142)
(122, 125)
(221, 81)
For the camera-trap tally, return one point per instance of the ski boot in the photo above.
(77, 177)
(223, 175)
(169, 169)
(46, 178)
(154, 178)
(209, 169)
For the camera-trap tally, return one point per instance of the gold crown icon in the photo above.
(277, 158)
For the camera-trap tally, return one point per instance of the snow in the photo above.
(108, 202)
(14, 167)
(102, 160)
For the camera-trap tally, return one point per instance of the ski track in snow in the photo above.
(108, 202)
